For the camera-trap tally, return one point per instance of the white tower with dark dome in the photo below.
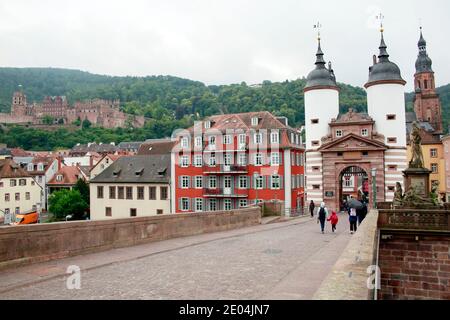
(321, 105)
(386, 105)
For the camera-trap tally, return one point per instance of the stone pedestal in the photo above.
(418, 178)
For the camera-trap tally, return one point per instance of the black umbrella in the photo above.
(353, 203)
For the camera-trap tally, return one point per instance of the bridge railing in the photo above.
(294, 212)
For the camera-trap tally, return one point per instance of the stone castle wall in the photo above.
(102, 113)
(9, 118)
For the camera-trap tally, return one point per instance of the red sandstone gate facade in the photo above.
(348, 152)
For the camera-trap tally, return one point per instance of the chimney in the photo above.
(59, 158)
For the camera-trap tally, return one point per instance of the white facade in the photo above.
(386, 106)
(104, 163)
(21, 195)
(397, 158)
(314, 178)
(80, 161)
(42, 180)
(121, 208)
(321, 105)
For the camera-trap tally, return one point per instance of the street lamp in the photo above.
(374, 187)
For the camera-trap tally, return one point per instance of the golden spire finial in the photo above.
(318, 26)
(381, 18)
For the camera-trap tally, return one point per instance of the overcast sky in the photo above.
(220, 41)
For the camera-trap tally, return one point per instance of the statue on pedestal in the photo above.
(434, 194)
(417, 177)
(416, 148)
(398, 195)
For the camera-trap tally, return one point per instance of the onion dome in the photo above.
(423, 62)
(384, 69)
(320, 76)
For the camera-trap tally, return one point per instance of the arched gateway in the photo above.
(353, 182)
(349, 156)
(335, 140)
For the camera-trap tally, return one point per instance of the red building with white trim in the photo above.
(236, 160)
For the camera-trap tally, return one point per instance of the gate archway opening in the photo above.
(353, 182)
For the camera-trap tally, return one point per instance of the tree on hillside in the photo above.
(48, 120)
(86, 124)
(77, 122)
(67, 202)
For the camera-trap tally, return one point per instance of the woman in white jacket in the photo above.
(322, 216)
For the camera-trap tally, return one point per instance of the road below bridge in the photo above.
(287, 260)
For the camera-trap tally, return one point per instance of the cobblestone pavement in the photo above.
(288, 261)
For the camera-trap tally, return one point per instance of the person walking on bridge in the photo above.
(333, 220)
(323, 213)
(312, 206)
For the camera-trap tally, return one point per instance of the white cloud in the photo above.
(219, 41)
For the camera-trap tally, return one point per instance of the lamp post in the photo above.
(374, 187)
(4, 216)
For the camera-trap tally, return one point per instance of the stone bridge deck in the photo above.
(287, 260)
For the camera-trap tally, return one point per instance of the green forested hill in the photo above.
(168, 102)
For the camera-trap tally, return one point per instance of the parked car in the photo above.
(26, 218)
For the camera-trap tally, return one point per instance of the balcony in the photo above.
(223, 169)
(225, 193)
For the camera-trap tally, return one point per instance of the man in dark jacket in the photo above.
(311, 208)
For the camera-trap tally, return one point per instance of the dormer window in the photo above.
(255, 121)
(242, 139)
(274, 137)
(59, 177)
(139, 172)
(227, 139)
(30, 167)
(40, 167)
(258, 138)
(184, 142)
(198, 141)
(207, 124)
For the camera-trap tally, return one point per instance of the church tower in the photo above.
(426, 101)
(321, 106)
(386, 105)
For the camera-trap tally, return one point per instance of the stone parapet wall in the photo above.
(35, 243)
(414, 254)
(414, 266)
(414, 219)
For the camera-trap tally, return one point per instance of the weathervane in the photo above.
(318, 26)
(381, 18)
